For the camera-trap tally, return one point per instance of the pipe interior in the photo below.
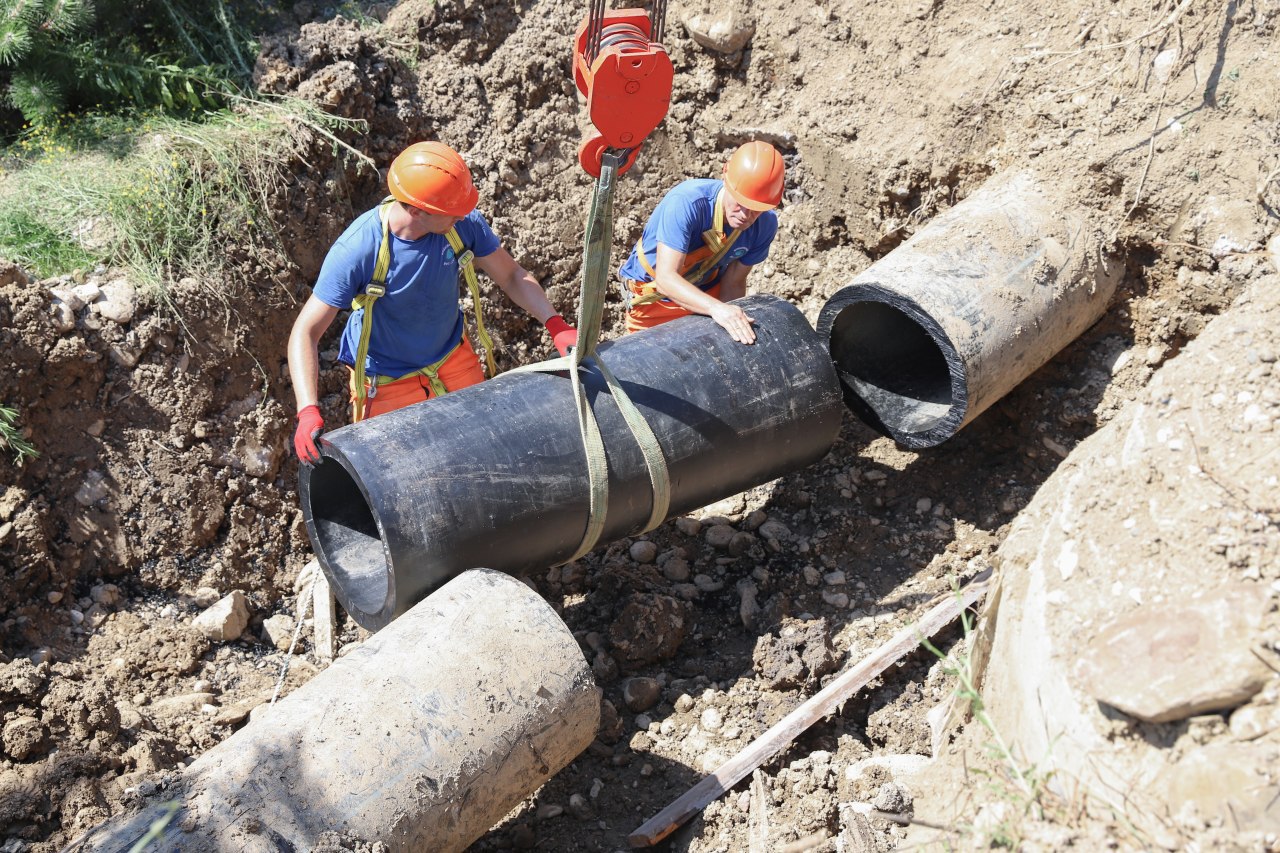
(348, 537)
(893, 366)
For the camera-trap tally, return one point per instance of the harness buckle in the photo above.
(376, 290)
(466, 258)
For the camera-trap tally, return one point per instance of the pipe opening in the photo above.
(896, 376)
(349, 541)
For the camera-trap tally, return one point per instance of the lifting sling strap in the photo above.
(595, 276)
(378, 287)
(715, 246)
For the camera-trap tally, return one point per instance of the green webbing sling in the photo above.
(595, 276)
(378, 287)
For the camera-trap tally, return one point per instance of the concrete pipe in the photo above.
(423, 737)
(928, 337)
(495, 475)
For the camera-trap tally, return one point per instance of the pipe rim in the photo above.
(365, 587)
(920, 410)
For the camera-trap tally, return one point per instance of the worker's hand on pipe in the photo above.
(304, 439)
(564, 336)
(735, 321)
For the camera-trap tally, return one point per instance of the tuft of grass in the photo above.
(11, 437)
(1023, 788)
(31, 243)
(160, 196)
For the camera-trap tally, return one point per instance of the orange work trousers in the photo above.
(461, 369)
(655, 313)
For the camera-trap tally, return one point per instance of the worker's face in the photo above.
(739, 216)
(437, 223)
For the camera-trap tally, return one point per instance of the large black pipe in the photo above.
(495, 475)
(928, 337)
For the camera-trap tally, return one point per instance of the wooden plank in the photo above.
(325, 618)
(712, 787)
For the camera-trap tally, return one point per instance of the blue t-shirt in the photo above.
(418, 321)
(678, 221)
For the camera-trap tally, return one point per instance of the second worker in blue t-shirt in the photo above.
(701, 242)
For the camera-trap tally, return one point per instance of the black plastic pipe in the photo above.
(928, 337)
(495, 475)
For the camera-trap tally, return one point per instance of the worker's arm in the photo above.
(304, 371)
(523, 289)
(304, 350)
(680, 290)
(733, 281)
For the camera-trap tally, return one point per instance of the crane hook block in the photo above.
(628, 82)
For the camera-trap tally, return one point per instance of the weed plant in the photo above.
(160, 196)
(11, 437)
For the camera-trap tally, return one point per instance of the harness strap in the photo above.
(466, 260)
(715, 246)
(377, 287)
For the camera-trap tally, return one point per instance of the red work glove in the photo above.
(304, 439)
(564, 336)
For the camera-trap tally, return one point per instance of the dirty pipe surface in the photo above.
(928, 337)
(422, 737)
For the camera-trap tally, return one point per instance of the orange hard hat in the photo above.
(433, 177)
(754, 175)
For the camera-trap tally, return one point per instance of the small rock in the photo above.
(225, 620)
(640, 694)
(705, 583)
(773, 529)
(754, 519)
(549, 811)
(812, 577)
(711, 719)
(64, 317)
(741, 543)
(724, 30)
(278, 631)
(833, 578)
(719, 536)
(205, 596)
(93, 489)
(579, 807)
(689, 526)
(676, 569)
(118, 301)
(54, 596)
(835, 599)
(643, 721)
(684, 703)
(644, 551)
(106, 594)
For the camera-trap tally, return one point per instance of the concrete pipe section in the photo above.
(495, 475)
(423, 737)
(928, 337)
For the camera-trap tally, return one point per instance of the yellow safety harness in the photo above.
(715, 246)
(378, 287)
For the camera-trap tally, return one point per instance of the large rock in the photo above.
(226, 619)
(1168, 662)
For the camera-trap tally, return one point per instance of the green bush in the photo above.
(60, 56)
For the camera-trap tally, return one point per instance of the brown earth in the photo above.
(166, 480)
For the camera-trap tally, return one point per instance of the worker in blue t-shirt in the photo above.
(688, 262)
(396, 266)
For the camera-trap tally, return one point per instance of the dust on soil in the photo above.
(165, 478)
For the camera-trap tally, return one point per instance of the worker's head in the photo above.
(432, 177)
(753, 177)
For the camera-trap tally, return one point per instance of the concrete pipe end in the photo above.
(899, 371)
(348, 539)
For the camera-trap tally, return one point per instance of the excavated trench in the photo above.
(165, 480)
